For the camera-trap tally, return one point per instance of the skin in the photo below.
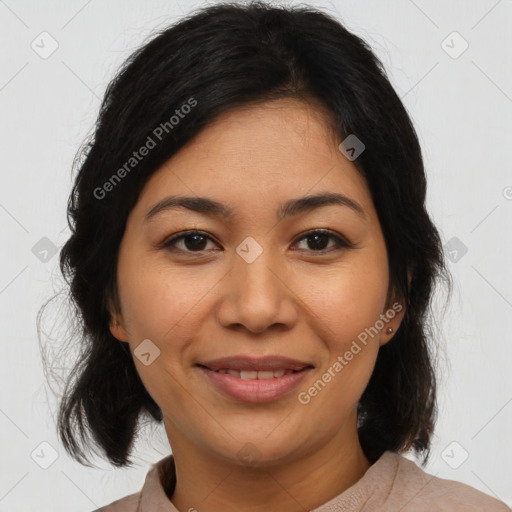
(294, 300)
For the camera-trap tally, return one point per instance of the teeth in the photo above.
(247, 375)
(265, 375)
(251, 374)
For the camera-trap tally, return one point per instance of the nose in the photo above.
(257, 296)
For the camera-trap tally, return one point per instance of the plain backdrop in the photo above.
(449, 61)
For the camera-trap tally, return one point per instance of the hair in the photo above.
(221, 58)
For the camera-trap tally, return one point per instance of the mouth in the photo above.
(254, 380)
(244, 363)
(254, 374)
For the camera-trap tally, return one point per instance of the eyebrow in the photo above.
(290, 208)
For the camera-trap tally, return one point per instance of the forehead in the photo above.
(257, 156)
(276, 129)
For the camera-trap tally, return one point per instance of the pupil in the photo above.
(316, 238)
(198, 243)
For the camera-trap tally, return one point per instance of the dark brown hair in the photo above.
(226, 56)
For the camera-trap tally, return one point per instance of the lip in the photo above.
(255, 390)
(265, 363)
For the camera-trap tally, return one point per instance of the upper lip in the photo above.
(255, 363)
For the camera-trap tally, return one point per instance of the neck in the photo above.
(209, 483)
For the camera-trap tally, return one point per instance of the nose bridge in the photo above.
(255, 277)
(257, 286)
(258, 296)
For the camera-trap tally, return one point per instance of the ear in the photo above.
(117, 326)
(394, 313)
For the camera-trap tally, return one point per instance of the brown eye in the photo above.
(197, 241)
(318, 240)
(191, 241)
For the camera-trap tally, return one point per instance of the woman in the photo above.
(252, 261)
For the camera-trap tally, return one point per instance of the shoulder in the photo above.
(127, 504)
(152, 495)
(420, 491)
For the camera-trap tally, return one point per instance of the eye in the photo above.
(318, 238)
(195, 241)
(192, 241)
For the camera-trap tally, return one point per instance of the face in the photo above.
(258, 320)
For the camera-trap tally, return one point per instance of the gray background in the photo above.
(461, 104)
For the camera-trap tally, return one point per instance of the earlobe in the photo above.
(399, 308)
(386, 337)
(116, 325)
(395, 320)
(389, 332)
(117, 329)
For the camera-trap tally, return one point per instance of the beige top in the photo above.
(393, 483)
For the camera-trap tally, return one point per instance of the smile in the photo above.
(251, 374)
(247, 386)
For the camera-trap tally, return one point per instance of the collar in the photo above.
(153, 498)
(375, 484)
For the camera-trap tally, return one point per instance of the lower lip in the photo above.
(255, 390)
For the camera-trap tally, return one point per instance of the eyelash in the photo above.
(341, 243)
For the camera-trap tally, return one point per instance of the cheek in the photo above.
(348, 300)
(166, 306)
(159, 301)
(344, 314)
